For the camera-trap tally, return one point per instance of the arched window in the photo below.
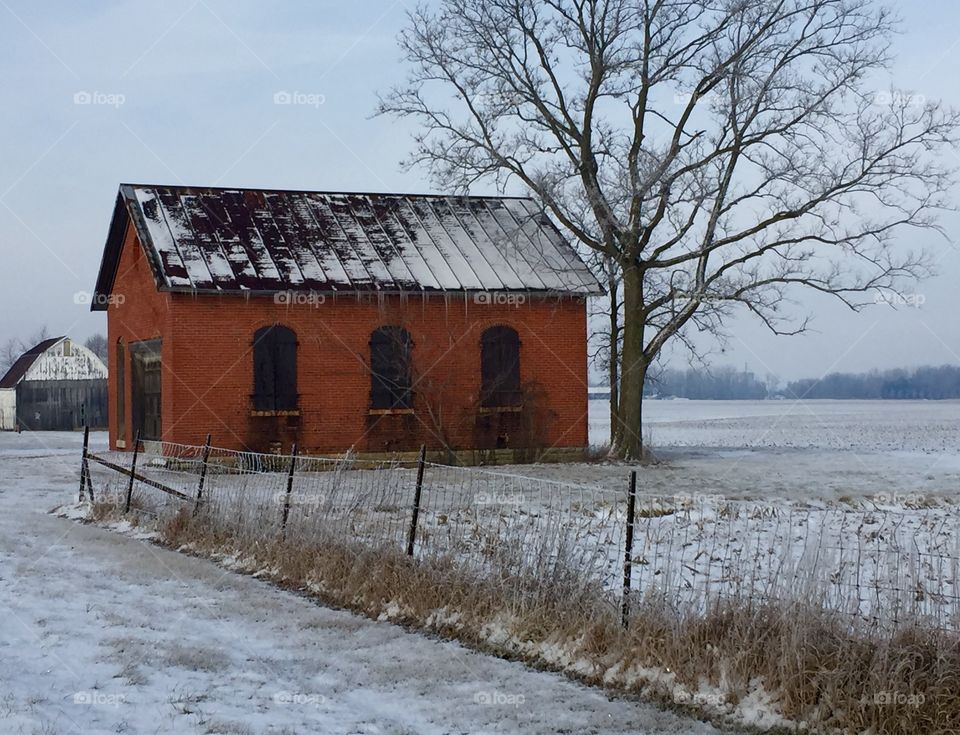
(390, 368)
(500, 367)
(275, 369)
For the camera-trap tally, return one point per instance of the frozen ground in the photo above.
(104, 633)
(795, 449)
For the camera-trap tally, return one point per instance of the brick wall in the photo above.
(208, 368)
(137, 312)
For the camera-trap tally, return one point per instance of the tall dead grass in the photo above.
(819, 672)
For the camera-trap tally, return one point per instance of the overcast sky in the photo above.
(183, 91)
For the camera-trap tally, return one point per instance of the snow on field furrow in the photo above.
(931, 427)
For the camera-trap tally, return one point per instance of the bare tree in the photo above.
(14, 347)
(607, 340)
(97, 344)
(720, 153)
(9, 352)
(38, 336)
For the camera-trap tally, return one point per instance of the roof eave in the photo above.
(550, 293)
(125, 210)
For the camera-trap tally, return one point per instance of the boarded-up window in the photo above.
(275, 369)
(146, 388)
(121, 396)
(500, 368)
(390, 368)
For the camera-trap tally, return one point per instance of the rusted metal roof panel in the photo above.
(245, 240)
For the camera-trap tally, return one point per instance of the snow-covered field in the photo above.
(794, 449)
(106, 633)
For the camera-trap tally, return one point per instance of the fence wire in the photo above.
(879, 565)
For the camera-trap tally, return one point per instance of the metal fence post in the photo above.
(628, 551)
(84, 469)
(203, 475)
(286, 502)
(411, 538)
(89, 482)
(133, 471)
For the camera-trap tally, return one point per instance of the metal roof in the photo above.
(256, 240)
(16, 372)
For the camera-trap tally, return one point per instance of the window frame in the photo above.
(391, 382)
(275, 378)
(500, 383)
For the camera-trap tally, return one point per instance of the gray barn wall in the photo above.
(62, 405)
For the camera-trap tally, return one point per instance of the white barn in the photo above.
(56, 385)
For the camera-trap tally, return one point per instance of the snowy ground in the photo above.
(104, 633)
(794, 449)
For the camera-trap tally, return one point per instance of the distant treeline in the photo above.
(729, 384)
(919, 383)
(719, 384)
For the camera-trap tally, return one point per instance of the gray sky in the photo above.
(183, 91)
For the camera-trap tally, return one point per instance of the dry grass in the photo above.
(106, 507)
(817, 668)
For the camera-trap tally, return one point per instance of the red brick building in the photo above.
(369, 322)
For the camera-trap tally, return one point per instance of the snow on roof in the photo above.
(44, 362)
(246, 240)
(25, 362)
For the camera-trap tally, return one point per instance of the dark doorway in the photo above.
(145, 391)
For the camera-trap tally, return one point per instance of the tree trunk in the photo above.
(613, 288)
(633, 370)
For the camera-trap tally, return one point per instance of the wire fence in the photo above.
(880, 565)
